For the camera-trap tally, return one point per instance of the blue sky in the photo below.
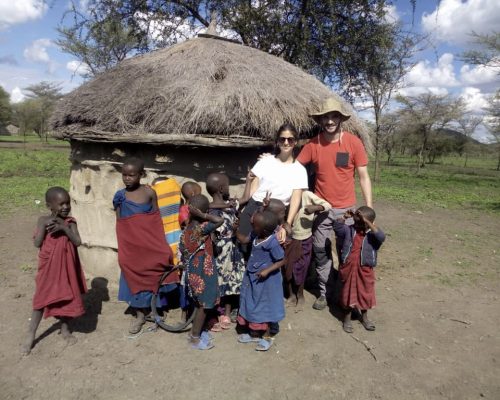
(28, 54)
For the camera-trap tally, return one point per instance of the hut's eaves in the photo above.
(203, 91)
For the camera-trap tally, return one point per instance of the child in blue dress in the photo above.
(261, 297)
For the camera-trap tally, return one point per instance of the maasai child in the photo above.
(60, 281)
(188, 190)
(360, 243)
(299, 250)
(228, 258)
(261, 297)
(143, 253)
(197, 256)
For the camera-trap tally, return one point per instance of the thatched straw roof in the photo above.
(203, 91)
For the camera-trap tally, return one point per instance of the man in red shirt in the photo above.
(337, 156)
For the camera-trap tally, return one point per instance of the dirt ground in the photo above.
(437, 338)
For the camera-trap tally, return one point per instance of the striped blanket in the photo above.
(169, 200)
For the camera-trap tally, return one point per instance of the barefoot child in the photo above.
(360, 243)
(143, 253)
(196, 249)
(299, 250)
(60, 281)
(228, 258)
(261, 298)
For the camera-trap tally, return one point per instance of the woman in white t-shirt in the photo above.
(280, 175)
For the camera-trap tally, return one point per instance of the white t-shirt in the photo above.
(278, 178)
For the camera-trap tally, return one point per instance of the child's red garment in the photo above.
(60, 281)
(358, 290)
(143, 253)
(183, 214)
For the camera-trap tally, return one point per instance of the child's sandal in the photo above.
(216, 327)
(264, 345)
(202, 344)
(225, 322)
(246, 338)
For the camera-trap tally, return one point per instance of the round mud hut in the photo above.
(207, 104)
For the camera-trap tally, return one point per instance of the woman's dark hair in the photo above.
(286, 127)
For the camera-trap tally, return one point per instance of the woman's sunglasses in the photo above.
(290, 140)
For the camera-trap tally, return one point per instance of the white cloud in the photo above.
(37, 52)
(16, 95)
(18, 11)
(392, 14)
(475, 101)
(77, 67)
(425, 74)
(453, 20)
(478, 75)
(417, 90)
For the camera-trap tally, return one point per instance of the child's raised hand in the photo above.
(250, 175)
(195, 211)
(266, 200)
(348, 214)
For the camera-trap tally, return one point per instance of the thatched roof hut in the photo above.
(203, 91)
(173, 107)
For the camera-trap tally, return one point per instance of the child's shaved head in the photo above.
(135, 162)
(368, 213)
(215, 181)
(200, 202)
(53, 192)
(278, 208)
(190, 189)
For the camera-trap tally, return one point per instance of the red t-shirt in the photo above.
(335, 184)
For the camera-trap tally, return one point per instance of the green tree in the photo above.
(427, 114)
(326, 38)
(381, 71)
(467, 125)
(488, 53)
(492, 121)
(5, 108)
(43, 96)
(26, 115)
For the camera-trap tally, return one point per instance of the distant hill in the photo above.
(458, 136)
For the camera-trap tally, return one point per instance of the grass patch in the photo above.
(439, 185)
(25, 175)
(33, 139)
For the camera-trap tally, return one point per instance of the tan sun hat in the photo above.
(331, 105)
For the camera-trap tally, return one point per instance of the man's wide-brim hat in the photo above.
(331, 105)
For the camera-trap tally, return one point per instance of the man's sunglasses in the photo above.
(291, 140)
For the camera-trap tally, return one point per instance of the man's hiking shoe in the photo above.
(320, 303)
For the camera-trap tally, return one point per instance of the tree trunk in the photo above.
(465, 163)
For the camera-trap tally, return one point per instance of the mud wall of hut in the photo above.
(96, 176)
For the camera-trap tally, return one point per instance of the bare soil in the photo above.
(436, 338)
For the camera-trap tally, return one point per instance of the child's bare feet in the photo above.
(66, 333)
(369, 325)
(137, 323)
(347, 323)
(28, 344)
(291, 301)
(300, 304)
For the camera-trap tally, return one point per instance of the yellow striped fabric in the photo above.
(169, 201)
